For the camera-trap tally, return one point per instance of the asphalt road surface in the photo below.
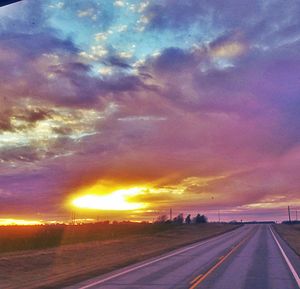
(251, 257)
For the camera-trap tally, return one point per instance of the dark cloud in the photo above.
(40, 64)
(5, 124)
(179, 14)
(118, 62)
(35, 115)
(7, 2)
(255, 18)
(28, 118)
(173, 59)
(35, 44)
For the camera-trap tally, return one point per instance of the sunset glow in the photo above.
(10, 222)
(115, 201)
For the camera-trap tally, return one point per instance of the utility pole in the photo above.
(289, 212)
(219, 216)
(296, 214)
(171, 214)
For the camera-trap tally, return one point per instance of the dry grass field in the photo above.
(66, 264)
(290, 233)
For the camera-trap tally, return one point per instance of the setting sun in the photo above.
(115, 201)
(11, 222)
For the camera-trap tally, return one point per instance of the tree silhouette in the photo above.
(188, 219)
(199, 219)
(178, 219)
(161, 219)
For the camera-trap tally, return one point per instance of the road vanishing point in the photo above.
(250, 257)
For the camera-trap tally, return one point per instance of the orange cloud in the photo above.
(229, 50)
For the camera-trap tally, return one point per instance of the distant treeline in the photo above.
(291, 222)
(179, 219)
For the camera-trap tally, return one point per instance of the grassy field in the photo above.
(114, 247)
(290, 233)
(15, 238)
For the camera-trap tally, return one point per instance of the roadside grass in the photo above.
(67, 264)
(291, 234)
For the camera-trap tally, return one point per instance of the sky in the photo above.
(192, 105)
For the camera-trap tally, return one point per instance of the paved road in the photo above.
(251, 257)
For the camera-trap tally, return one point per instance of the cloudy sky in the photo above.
(195, 102)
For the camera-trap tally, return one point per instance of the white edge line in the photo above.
(287, 260)
(149, 263)
(140, 266)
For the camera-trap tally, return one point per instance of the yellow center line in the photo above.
(195, 279)
(201, 277)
